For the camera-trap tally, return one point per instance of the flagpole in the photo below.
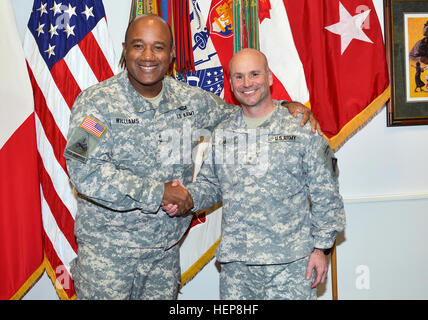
(334, 271)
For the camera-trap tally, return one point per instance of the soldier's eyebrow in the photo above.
(138, 40)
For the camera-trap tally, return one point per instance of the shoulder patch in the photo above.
(93, 126)
(326, 153)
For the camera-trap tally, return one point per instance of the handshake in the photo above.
(176, 199)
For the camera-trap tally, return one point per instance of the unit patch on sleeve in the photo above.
(93, 126)
(326, 153)
(84, 139)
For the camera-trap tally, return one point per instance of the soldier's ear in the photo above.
(270, 77)
(172, 54)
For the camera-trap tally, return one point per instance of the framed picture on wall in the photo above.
(406, 38)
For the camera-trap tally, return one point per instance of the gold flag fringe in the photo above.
(45, 266)
(29, 283)
(360, 120)
(197, 266)
(194, 269)
(58, 287)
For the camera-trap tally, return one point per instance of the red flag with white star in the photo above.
(341, 48)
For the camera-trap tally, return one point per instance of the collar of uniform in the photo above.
(171, 98)
(272, 123)
(238, 124)
(137, 100)
(141, 104)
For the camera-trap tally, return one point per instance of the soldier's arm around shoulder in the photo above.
(218, 109)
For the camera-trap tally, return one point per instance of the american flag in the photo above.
(68, 49)
(93, 126)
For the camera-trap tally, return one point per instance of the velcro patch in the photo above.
(93, 126)
(326, 153)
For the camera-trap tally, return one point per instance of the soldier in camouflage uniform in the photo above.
(264, 166)
(128, 135)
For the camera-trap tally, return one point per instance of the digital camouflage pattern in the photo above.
(120, 175)
(101, 273)
(240, 281)
(120, 164)
(264, 177)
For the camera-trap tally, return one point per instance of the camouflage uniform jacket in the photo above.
(129, 148)
(264, 177)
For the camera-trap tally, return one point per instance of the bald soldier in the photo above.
(265, 168)
(119, 161)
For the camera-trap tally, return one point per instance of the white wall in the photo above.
(384, 181)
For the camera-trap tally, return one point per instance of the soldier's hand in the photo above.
(170, 209)
(176, 199)
(317, 261)
(296, 107)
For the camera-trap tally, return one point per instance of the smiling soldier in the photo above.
(272, 240)
(127, 246)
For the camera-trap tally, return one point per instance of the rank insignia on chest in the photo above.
(280, 138)
(185, 114)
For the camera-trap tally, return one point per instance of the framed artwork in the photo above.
(406, 38)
